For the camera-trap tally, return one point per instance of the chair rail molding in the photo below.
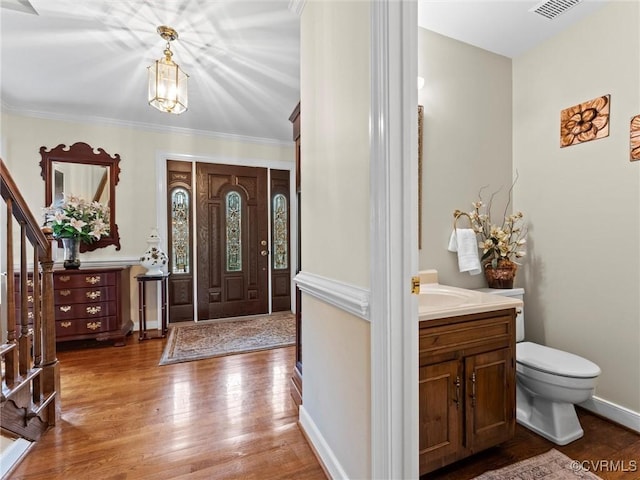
(350, 298)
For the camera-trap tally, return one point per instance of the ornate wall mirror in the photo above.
(81, 171)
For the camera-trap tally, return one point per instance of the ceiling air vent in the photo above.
(552, 8)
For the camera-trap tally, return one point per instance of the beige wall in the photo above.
(582, 279)
(466, 142)
(335, 224)
(22, 138)
(136, 195)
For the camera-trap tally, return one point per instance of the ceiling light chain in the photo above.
(167, 81)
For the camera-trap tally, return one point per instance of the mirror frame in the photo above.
(84, 154)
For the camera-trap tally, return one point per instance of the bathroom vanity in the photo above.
(466, 373)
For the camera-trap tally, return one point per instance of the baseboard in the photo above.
(13, 450)
(320, 447)
(616, 413)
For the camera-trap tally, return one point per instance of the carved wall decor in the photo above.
(634, 144)
(585, 122)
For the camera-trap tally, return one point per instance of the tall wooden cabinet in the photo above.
(466, 386)
(296, 379)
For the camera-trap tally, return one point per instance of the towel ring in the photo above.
(457, 214)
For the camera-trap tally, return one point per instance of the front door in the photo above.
(232, 253)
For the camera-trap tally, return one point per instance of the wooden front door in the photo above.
(232, 255)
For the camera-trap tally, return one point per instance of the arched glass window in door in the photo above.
(233, 208)
(280, 222)
(180, 214)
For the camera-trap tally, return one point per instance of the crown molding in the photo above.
(149, 127)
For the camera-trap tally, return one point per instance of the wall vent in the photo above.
(552, 8)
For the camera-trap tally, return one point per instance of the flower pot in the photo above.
(71, 247)
(501, 276)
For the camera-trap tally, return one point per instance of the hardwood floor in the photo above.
(607, 450)
(124, 417)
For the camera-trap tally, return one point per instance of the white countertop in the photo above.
(442, 301)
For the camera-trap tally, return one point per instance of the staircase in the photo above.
(29, 398)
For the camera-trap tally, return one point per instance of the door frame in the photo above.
(161, 201)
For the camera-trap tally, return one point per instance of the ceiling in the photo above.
(87, 60)
(505, 27)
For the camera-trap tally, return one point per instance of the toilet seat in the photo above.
(555, 362)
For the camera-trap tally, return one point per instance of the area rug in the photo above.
(216, 338)
(551, 465)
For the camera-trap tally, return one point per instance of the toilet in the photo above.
(549, 382)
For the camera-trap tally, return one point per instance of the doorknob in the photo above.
(264, 253)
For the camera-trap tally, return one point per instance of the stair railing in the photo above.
(31, 377)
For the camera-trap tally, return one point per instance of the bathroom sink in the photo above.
(441, 297)
(441, 301)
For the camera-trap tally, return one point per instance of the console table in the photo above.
(143, 280)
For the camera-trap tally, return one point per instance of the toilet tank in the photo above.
(514, 293)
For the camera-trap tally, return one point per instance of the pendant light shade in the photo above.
(167, 81)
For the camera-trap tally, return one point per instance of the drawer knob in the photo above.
(64, 278)
(65, 308)
(92, 280)
(94, 310)
(65, 324)
(93, 295)
(65, 293)
(94, 325)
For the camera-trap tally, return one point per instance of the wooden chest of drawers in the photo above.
(92, 303)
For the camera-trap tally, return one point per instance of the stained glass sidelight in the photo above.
(180, 213)
(234, 229)
(280, 246)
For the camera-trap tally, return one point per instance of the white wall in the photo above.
(335, 226)
(582, 202)
(466, 142)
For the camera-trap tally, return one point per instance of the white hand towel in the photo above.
(464, 242)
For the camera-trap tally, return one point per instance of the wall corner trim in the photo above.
(350, 298)
(297, 6)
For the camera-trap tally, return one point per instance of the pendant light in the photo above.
(167, 81)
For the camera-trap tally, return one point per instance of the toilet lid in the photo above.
(554, 361)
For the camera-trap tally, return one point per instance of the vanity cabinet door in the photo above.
(490, 398)
(441, 404)
(467, 386)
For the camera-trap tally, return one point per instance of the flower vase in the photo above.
(71, 247)
(154, 259)
(502, 275)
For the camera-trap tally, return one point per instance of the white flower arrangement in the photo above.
(501, 244)
(77, 217)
